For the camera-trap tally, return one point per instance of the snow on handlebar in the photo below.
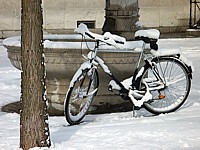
(108, 38)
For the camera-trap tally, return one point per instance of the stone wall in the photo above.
(9, 17)
(62, 15)
(59, 16)
(169, 15)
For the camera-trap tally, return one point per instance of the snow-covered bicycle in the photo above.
(161, 85)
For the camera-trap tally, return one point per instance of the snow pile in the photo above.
(13, 41)
(139, 24)
(116, 131)
(150, 33)
(129, 46)
(114, 42)
(16, 40)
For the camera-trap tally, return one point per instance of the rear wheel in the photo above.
(170, 89)
(80, 96)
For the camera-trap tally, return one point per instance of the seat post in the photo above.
(141, 54)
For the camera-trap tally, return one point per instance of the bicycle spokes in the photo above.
(169, 84)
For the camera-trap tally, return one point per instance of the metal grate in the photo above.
(90, 24)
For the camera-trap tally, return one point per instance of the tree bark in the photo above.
(34, 128)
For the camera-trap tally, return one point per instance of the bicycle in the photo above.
(161, 85)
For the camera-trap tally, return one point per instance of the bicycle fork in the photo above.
(91, 73)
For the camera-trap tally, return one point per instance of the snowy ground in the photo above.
(175, 131)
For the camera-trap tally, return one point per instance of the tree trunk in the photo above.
(34, 128)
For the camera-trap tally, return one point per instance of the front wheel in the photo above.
(169, 83)
(80, 95)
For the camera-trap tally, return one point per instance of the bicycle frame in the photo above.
(94, 61)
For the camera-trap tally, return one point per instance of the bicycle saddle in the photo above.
(150, 33)
(148, 36)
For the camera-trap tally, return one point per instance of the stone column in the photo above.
(121, 17)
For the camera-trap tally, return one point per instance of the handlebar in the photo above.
(108, 38)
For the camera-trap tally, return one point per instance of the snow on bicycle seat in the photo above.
(147, 36)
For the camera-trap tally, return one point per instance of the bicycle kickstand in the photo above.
(134, 111)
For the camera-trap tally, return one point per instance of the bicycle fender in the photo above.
(177, 58)
(84, 66)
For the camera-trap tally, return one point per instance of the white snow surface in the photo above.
(48, 43)
(150, 33)
(179, 130)
(106, 37)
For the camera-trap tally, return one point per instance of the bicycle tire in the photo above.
(172, 96)
(77, 101)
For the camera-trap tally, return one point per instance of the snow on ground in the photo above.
(175, 131)
(9, 79)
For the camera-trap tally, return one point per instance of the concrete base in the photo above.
(61, 65)
(193, 32)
